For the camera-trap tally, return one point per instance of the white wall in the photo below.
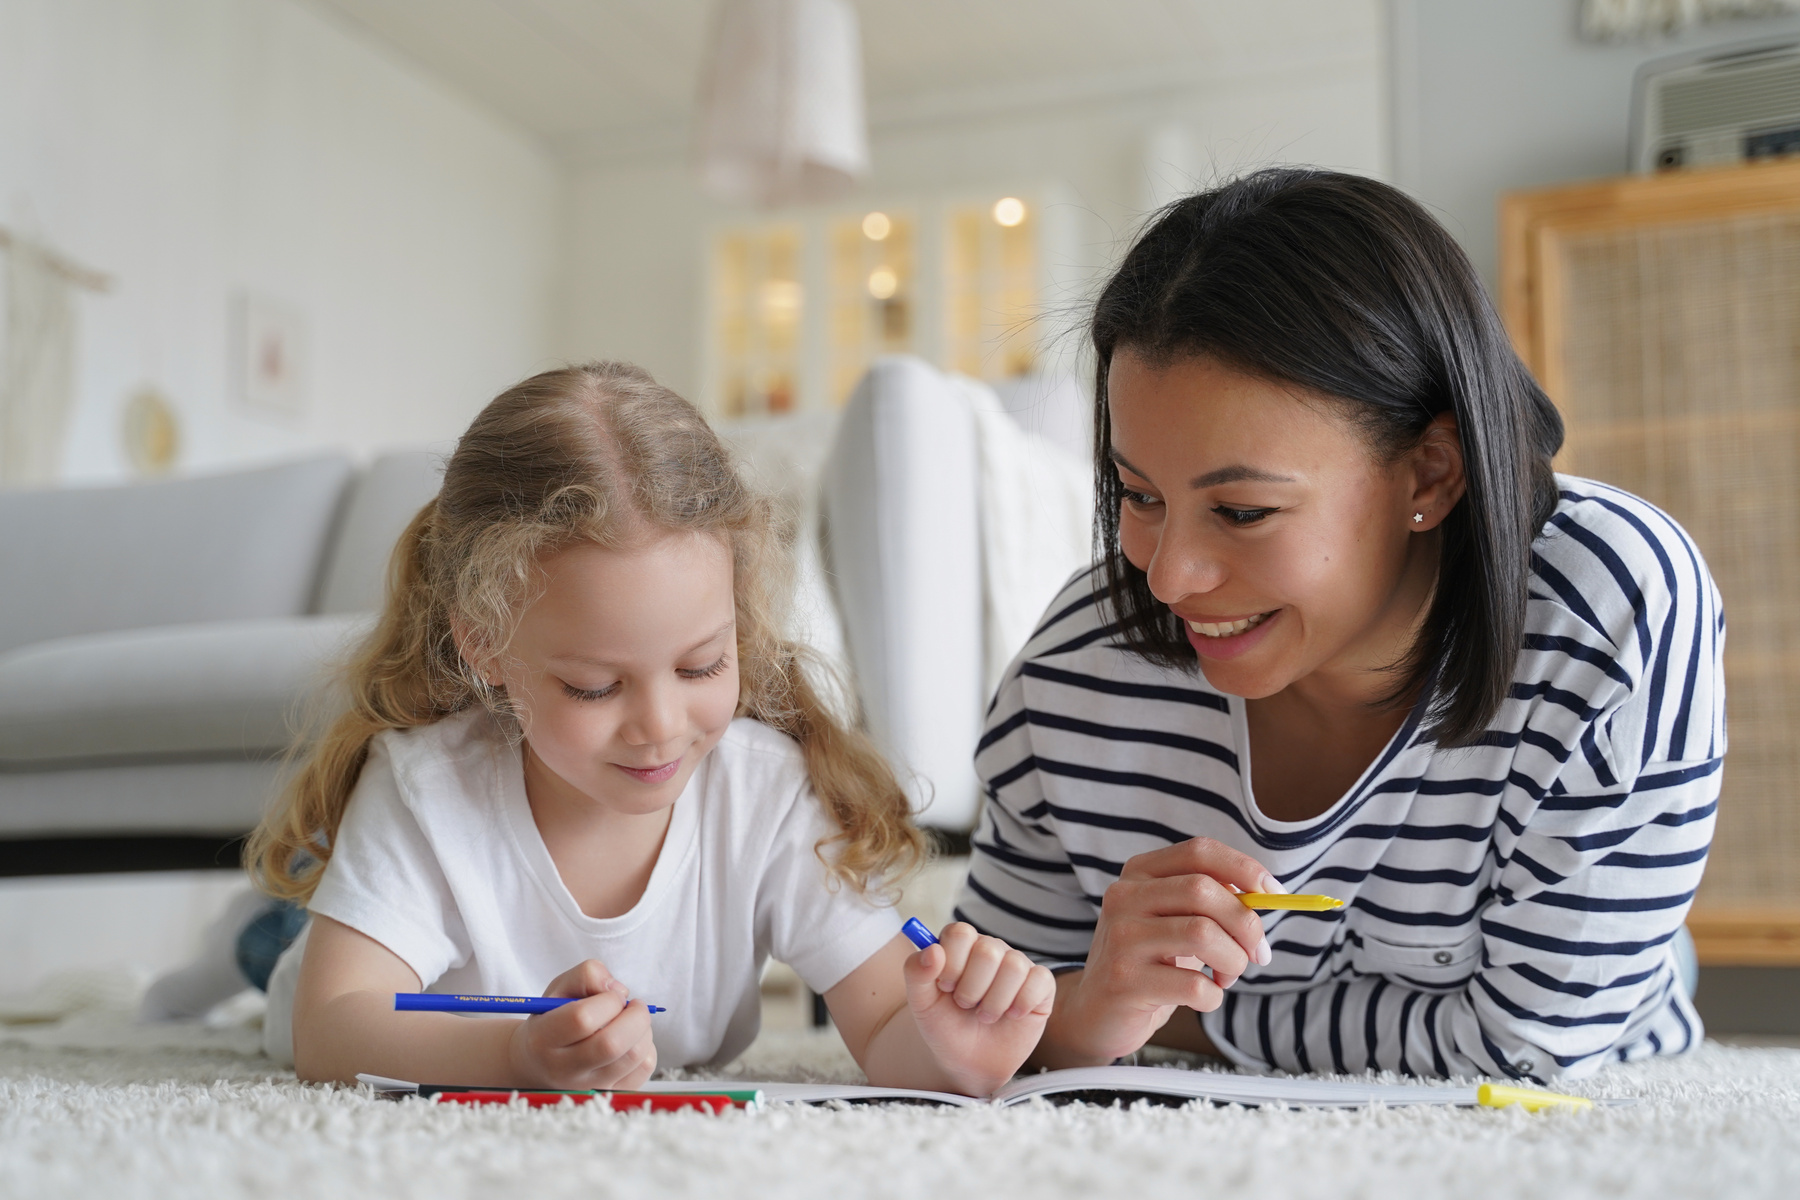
(189, 148)
(638, 220)
(1494, 96)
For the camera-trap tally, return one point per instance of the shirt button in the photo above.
(1524, 1066)
(1442, 958)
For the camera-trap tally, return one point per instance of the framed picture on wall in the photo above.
(268, 352)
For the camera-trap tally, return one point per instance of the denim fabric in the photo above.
(263, 940)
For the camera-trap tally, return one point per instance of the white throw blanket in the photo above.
(1037, 505)
(1036, 521)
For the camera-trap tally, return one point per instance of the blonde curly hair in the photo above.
(596, 453)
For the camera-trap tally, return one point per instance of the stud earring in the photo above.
(1418, 518)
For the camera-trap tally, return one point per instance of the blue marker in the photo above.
(917, 934)
(517, 1005)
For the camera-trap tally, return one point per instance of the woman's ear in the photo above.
(1438, 478)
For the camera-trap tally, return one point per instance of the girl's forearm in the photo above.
(359, 1032)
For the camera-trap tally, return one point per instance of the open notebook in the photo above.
(1105, 1085)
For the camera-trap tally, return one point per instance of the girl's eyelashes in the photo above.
(1243, 516)
(575, 693)
(703, 672)
(1140, 499)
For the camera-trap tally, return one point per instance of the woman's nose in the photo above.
(1185, 564)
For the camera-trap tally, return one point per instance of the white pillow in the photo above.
(902, 516)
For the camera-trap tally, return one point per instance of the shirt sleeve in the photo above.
(1021, 886)
(384, 879)
(818, 925)
(1574, 969)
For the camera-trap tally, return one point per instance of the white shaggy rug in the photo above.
(95, 1106)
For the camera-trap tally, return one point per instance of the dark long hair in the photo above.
(1345, 286)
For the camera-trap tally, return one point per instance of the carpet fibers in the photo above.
(95, 1106)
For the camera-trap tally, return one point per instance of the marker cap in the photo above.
(917, 934)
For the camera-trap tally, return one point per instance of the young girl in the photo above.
(579, 760)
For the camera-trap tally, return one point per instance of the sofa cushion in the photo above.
(218, 690)
(86, 560)
(214, 798)
(382, 503)
(783, 457)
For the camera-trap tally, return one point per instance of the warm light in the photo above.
(1009, 211)
(883, 283)
(781, 296)
(876, 226)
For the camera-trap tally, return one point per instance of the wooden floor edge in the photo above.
(1746, 937)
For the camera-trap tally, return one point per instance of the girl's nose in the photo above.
(656, 719)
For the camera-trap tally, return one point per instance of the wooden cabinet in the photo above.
(1662, 315)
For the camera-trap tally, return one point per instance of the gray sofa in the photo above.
(157, 640)
(154, 641)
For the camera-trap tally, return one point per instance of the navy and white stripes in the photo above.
(1510, 905)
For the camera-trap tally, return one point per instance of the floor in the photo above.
(97, 1106)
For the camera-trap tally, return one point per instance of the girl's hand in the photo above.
(600, 1041)
(980, 1006)
(1168, 904)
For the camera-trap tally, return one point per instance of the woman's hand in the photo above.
(980, 1006)
(601, 1041)
(1174, 903)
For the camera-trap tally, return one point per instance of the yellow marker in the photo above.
(1499, 1095)
(1280, 900)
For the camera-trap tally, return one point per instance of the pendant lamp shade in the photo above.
(781, 102)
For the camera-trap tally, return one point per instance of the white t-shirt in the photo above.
(439, 860)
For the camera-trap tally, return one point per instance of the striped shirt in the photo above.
(1509, 906)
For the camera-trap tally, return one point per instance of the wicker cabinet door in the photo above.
(1662, 314)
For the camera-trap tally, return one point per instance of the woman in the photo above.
(1350, 634)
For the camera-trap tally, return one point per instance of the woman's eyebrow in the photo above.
(1119, 460)
(1237, 473)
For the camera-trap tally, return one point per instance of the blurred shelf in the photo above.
(1751, 936)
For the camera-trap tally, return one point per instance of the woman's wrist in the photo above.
(1185, 1030)
(1068, 1035)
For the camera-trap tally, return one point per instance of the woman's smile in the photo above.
(1220, 640)
(1227, 626)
